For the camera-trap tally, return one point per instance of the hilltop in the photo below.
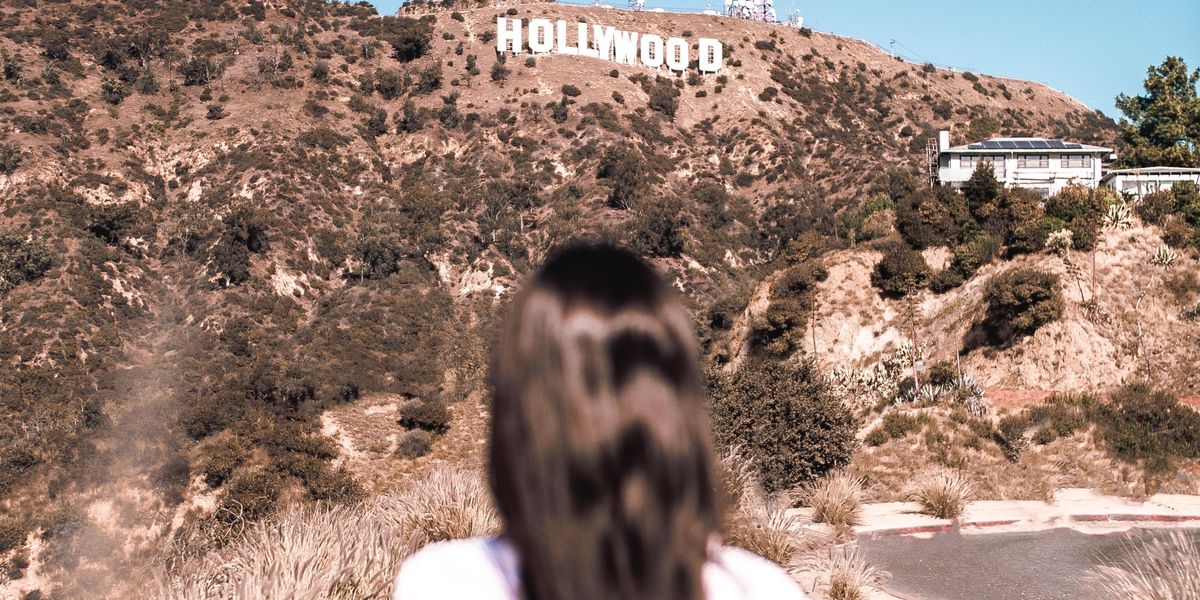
(252, 235)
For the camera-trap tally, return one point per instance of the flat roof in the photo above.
(1038, 145)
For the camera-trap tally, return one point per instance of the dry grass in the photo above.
(447, 504)
(835, 500)
(1160, 569)
(342, 553)
(845, 574)
(339, 553)
(942, 493)
(755, 522)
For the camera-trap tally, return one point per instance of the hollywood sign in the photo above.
(607, 43)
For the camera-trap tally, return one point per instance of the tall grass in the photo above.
(755, 522)
(942, 493)
(846, 573)
(341, 553)
(446, 505)
(338, 553)
(836, 500)
(1159, 569)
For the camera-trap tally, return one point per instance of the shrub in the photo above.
(12, 534)
(779, 331)
(1155, 568)
(784, 418)
(499, 71)
(414, 444)
(10, 158)
(900, 272)
(942, 494)
(627, 172)
(571, 91)
(664, 96)
(1019, 302)
(248, 499)
(836, 500)
(1011, 435)
(444, 505)
(21, 260)
(320, 71)
(222, 458)
(932, 217)
(426, 415)
(1141, 423)
(389, 84)
(659, 228)
(409, 37)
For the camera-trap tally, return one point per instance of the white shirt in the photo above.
(486, 569)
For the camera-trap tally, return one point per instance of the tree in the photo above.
(1162, 127)
(784, 419)
(409, 38)
(981, 192)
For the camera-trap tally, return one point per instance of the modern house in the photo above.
(1039, 164)
(1139, 182)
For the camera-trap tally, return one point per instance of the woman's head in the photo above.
(600, 457)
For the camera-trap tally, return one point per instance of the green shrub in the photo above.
(1019, 302)
(21, 260)
(783, 418)
(409, 37)
(900, 272)
(1141, 423)
(10, 157)
(932, 217)
(898, 424)
(414, 444)
(426, 415)
(660, 227)
(779, 331)
(571, 90)
(627, 172)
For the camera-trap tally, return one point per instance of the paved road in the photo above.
(1045, 565)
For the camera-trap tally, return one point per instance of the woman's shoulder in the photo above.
(735, 573)
(483, 568)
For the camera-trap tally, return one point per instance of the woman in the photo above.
(600, 456)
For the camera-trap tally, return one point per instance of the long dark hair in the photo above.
(600, 455)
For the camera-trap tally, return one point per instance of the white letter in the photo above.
(712, 55)
(541, 36)
(581, 42)
(505, 37)
(562, 47)
(677, 54)
(626, 47)
(603, 38)
(652, 51)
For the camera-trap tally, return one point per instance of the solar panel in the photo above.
(1024, 145)
(1073, 146)
(1008, 145)
(1039, 145)
(1055, 144)
(990, 145)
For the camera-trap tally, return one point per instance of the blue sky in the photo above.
(1091, 49)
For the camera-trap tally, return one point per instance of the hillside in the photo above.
(243, 237)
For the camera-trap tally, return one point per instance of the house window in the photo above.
(971, 160)
(1076, 161)
(1033, 161)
